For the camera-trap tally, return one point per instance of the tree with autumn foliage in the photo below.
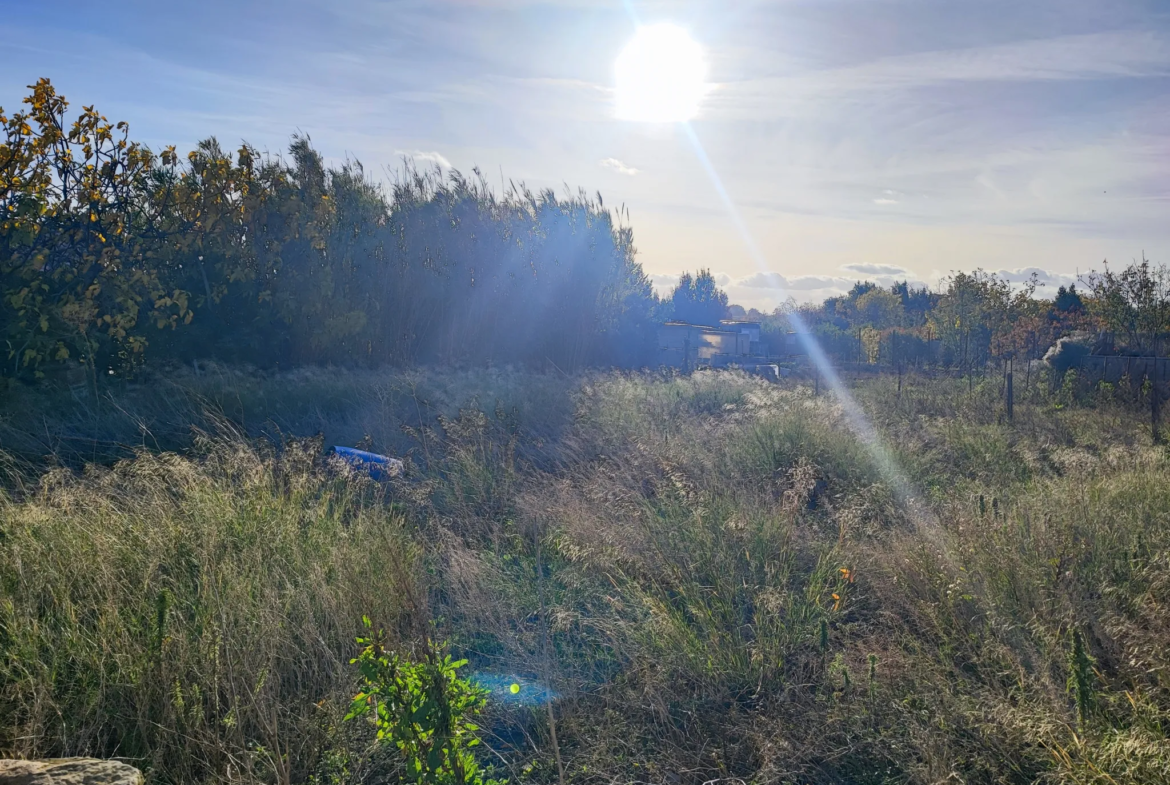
(111, 255)
(79, 240)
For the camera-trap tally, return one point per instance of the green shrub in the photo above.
(424, 710)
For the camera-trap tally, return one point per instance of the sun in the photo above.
(661, 76)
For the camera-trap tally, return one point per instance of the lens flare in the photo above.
(514, 689)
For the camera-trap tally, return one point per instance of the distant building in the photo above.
(792, 344)
(689, 346)
(733, 342)
(750, 329)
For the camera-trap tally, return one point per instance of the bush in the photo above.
(424, 710)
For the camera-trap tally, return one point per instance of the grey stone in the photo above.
(68, 771)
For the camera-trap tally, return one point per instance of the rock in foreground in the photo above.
(68, 771)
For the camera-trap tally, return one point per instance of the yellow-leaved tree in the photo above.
(79, 240)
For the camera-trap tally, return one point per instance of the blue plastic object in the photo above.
(379, 467)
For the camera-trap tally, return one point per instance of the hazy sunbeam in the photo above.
(858, 422)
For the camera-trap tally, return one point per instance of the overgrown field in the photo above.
(709, 573)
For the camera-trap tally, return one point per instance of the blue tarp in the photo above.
(379, 467)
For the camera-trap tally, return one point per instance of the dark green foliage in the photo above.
(1067, 300)
(250, 258)
(698, 300)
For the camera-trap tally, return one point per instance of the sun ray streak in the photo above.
(866, 433)
(861, 426)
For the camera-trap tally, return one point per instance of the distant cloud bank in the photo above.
(768, 290)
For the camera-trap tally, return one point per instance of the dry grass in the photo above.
(708, 571)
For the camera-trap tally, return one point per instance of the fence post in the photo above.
(1155, 402)
(1010, 401)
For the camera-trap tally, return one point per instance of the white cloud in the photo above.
(618, 166)
(818, 282)
(1045, 278)
(887, 197)
(764, 281)
(663, 284)
(425, 157)
(875, 269)
(768, 290)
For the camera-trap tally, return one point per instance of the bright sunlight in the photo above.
(661, 76)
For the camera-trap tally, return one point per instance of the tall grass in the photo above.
(707, 571)
(191, 615)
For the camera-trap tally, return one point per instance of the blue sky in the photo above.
(857, 138)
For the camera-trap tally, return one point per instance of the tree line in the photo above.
(114, 258)
(979, 318)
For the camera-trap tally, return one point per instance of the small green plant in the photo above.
(424, 709)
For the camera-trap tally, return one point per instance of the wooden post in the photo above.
(896, 356)
(1155, 399)
(1010, 402)
(967, 361)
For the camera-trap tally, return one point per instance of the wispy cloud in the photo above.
(875, 269)
(767, 290)
(423, 156)
(1129, 53)
(778, 282)
(1108, 55)
(618, 166)
(764, 281)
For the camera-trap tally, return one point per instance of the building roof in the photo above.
(708, 328)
